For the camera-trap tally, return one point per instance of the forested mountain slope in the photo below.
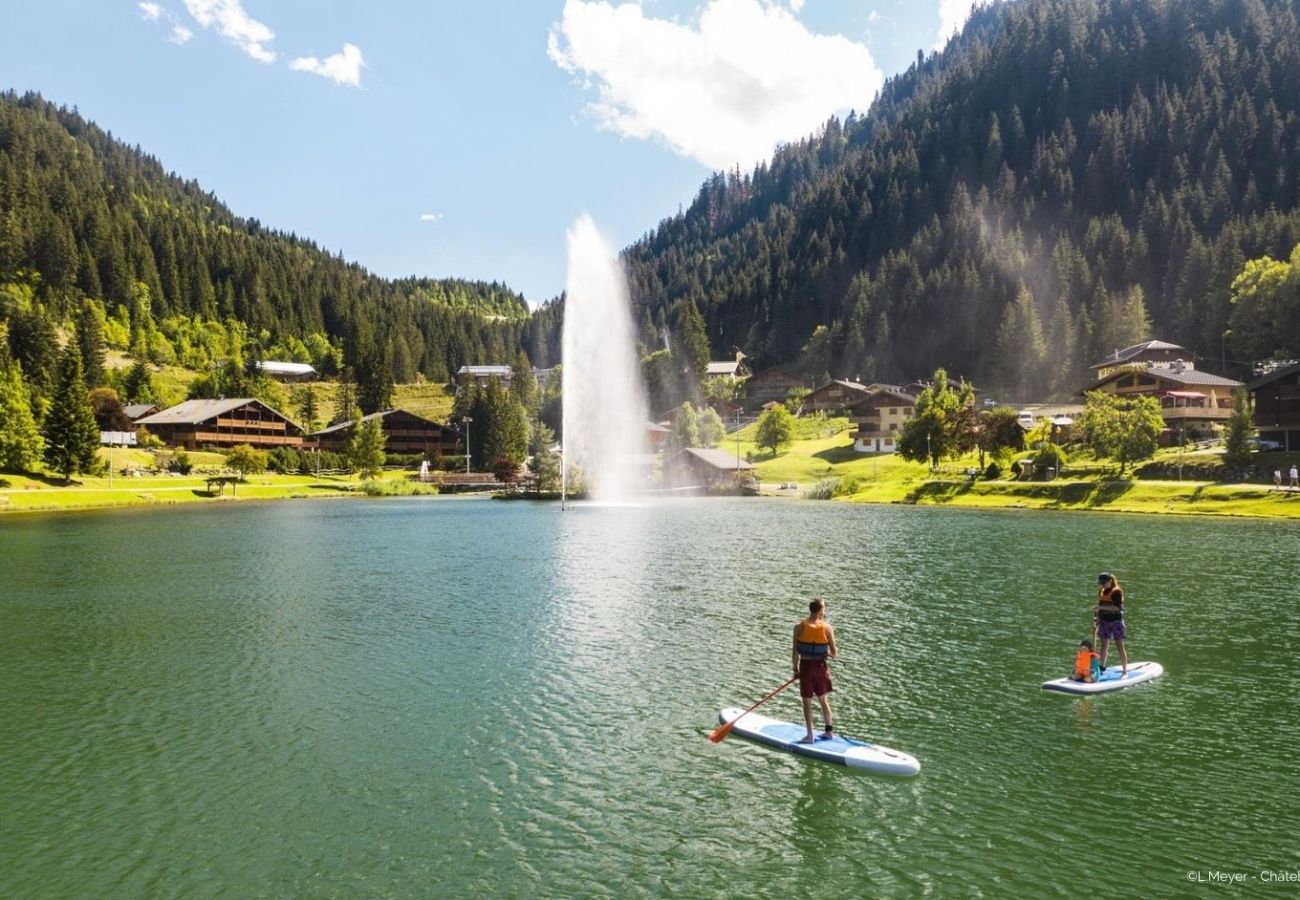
(84, 216)
(1065, 178)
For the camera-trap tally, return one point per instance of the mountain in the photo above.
(1066, 177)
(167, 266)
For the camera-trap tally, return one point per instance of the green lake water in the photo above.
(411, 698)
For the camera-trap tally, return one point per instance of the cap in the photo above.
(1104, 577)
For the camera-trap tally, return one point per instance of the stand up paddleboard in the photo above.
(1110, 680)
(839, 750)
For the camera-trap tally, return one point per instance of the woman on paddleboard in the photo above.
(1110, 619)
(814, 642)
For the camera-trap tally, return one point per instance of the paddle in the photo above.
(720, 733)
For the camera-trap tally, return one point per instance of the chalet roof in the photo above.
(485, 371)
(718, 459)
(1121, 356)
(276, 367)
(1275, 375)
(656, 428)
(725, 367)
(139, 410)
(1186, 377)
(382, 414)
(890, 390)
(851, 385)
(192, 412)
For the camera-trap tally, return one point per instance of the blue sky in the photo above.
(461, 139)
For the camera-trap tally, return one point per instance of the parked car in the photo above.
(1261, 445)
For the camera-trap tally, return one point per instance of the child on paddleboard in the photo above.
(1087, 664)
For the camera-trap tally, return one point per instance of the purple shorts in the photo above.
(1111, 630)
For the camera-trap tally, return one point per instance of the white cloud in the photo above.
(343, 67)
(724, 90)
(234, 24)
(430, 217)
(150, 11)
(952, 16)
(180, 34)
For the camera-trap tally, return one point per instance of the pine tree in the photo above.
(71, 435)
(90, 343)
(21, 444)
(365, 448)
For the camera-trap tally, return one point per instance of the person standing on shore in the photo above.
(1110, 619)
(814, 643)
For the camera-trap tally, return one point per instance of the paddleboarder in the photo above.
(1110, 619)
(814, 643)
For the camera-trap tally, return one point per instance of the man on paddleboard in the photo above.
(814, 642)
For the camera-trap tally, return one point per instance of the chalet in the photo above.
(1191, 402)
(880, 418)
(287, 371)
(770, 385)
(727, 368)
(656, 434)
(1277, 405)
(467, 375)
(404, 433)
(1141, 356)
(707, 467)
(223, 423)
(137, 411)
(834, 396)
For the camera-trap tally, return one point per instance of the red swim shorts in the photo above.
(814, 678)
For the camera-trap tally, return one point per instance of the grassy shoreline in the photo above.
(822, 456)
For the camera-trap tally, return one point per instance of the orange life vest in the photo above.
(1083, 662)
(814, 639)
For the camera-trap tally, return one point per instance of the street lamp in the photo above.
(467, 420)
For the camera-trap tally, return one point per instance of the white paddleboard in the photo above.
(1110, 679)
(858, 755)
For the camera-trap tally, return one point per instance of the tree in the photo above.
(365, 447)
(999, 430)
(941, 427)
(21, 444)
(137, 386)
(71, 435)
(694, 340)
(247, 460)
(1125, 429)
(546, 465)
(503, 424)
(90, 342)
(524, 384)
(710, 427)
(109, 415)
(775, 429)
(685, 431)
(307, 408)
(1240, 427)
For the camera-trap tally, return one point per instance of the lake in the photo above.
(403, 698)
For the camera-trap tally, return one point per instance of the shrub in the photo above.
(822, 490)
(993, 472)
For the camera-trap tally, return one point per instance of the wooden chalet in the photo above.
(707, 467)
(1277, 405)
(834, 396)
(770, 385)
(467, 375)
(880, 417)
(223, 423)
(404, 433)
(1192, 402)
(727, 368)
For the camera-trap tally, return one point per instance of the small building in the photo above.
(223, 423)
(287, 371)
(707, 467)
(405, 433)
(1191, 402)
(467, 375)
(656, 434)
(834, 396)
(727, 368)
(1277, 405)
(770, 385)
(880, 418)
(137, 411)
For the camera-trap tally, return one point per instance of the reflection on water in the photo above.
(367, 698)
